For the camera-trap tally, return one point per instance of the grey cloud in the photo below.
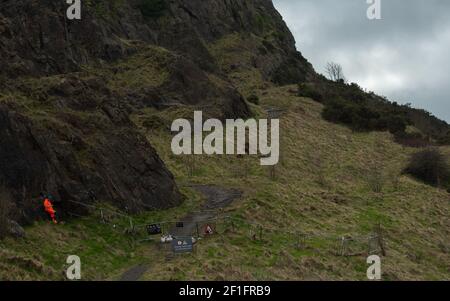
(404, 56)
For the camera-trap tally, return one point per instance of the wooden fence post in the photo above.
(198, 232)
(343, 246)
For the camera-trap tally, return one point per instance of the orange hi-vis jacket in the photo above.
(49, 207)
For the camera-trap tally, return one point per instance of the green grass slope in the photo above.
(323, 187)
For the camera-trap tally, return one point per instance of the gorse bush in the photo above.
(430, 125)
(307, 90)
(350, 105)
(152, 8)
(430, 166)
(361, 117)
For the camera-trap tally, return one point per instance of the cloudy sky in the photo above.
(404, 56)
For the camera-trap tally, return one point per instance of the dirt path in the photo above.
(216, 198)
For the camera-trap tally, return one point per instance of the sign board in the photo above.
(182, 245)
(154, 229)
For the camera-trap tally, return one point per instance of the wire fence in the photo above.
(198, 229)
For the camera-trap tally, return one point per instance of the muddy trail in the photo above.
(216, 198)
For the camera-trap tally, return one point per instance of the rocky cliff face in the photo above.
(37, 38)
(68, 88)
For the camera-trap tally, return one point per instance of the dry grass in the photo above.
(321, 189)
(413, 215)
(363, 187)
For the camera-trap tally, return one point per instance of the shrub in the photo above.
(411, 139)
(395, 124)
(444, 139)
(254, 99)
(153, 8)
(360, 110)
(430, 125)
(357, 117)
(305, 90)
(430, 166)
(360, 116)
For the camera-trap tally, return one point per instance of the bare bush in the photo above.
(430, 166)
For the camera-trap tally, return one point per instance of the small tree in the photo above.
(335, 72)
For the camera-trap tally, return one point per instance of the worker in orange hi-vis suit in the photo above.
(48, 206)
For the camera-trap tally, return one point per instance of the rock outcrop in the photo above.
(37, 39)
(68, 87)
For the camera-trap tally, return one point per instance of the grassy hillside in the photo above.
(324, 187)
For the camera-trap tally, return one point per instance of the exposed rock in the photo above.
(37, 38)
(45, 155)
(16, 230)
(67, 90)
